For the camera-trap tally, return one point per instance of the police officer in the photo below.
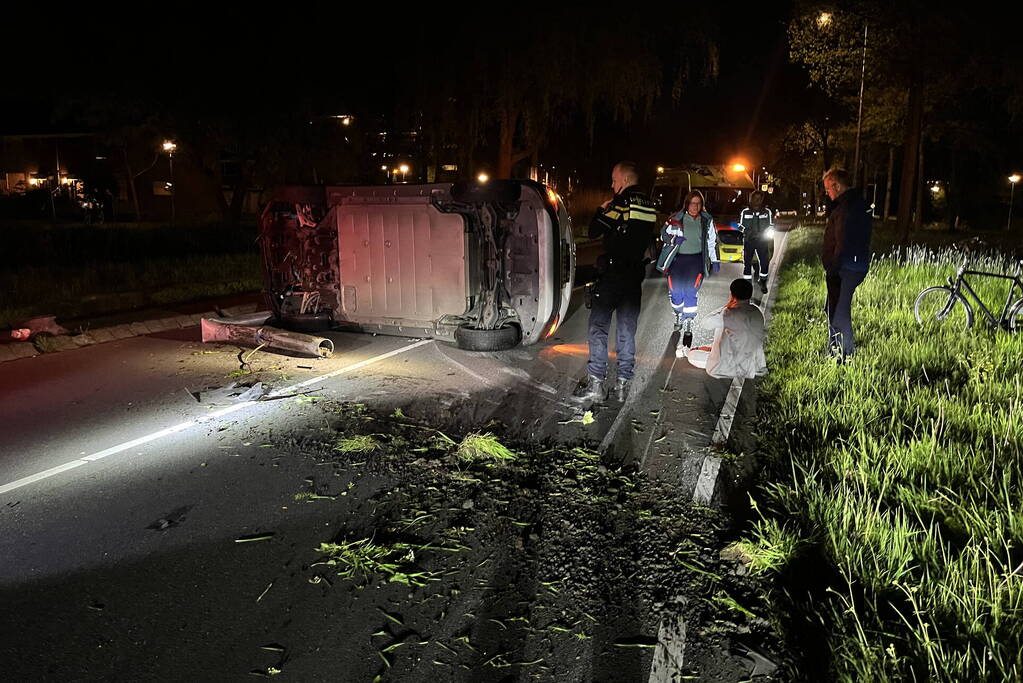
(626, 223)
(757, 225)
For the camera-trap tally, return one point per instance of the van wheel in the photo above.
(473, 339)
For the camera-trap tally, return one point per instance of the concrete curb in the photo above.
(101, 335)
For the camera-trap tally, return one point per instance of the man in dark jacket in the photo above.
(626, 223)
(845, 256)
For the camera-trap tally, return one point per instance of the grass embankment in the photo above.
(892, 517)
(74, 270)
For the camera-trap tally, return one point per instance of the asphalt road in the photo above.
(106, 447)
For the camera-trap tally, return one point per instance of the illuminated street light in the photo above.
(483, 177)
(660, 169)
(346, 121)
(823, 19)
(404, 171)
(1013, 179)
(169, 146)
(383, 168)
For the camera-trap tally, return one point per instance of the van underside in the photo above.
(419, 260)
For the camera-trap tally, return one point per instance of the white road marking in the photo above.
(704, 491)
(85, 460)
(724, 426)
(671, 650)
(41, 475)
(671, 639)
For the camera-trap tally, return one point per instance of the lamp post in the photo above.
(1013, 179)
(859, 116)
(824, 19)
(404, 172)
(169, 147)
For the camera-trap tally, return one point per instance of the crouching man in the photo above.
(738, 346)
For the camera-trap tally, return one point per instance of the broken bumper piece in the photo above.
(250, 330)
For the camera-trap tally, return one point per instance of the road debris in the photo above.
(254, 537)
(171, 519)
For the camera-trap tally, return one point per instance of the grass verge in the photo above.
(891, 521)
(75, 270)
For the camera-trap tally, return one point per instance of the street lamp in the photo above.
(482, 178)
(404, 171)
(660, 169)
(1013, 179)
(824, 19)
(169, 147)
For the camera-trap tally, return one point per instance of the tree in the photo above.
(908, 46)
(514, 87)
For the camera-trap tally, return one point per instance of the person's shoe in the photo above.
(679, 321)
(590, 389)
(763, 285)
(622, 389)
(687, 333)
(836, 353)
(681, 351)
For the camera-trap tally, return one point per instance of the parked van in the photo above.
(488, 266)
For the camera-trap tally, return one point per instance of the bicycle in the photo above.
(949, 303)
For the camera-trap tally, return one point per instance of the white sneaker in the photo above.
(681, 351)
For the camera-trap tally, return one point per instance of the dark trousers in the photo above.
(610, 296)
(685, 275)
(761, 246)
(841, 286)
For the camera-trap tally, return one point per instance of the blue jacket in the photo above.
(671, 237)
(847, 234)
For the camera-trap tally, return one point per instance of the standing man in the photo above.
(757, 225)
(845, 256)
(626, 222)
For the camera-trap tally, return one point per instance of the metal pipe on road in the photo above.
(250, 330)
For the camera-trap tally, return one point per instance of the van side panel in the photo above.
(386, 250)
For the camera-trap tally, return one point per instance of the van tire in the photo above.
(473, 339)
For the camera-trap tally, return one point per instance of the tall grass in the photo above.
(897, 476)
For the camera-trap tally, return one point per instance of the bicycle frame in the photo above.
(960, 284)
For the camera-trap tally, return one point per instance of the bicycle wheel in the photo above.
(943, 305)
(1016, 317)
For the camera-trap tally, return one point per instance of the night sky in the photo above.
(357, 68)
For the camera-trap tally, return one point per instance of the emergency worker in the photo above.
(757, 225)
(626, 223)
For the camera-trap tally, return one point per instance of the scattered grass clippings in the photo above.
(362, 443)
(483, 447)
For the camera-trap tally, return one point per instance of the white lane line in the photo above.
(85, 460)
(671, 650)
(727, 416)
(671, 639)
(724, 425)
(41, 475)
(138, 442)
(705, 483)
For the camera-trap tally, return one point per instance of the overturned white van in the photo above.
(488, 266)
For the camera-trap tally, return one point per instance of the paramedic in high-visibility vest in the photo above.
(688, 255)
(757, 225)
